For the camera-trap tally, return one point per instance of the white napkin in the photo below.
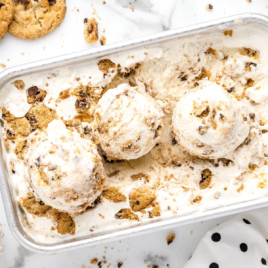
(239, 243)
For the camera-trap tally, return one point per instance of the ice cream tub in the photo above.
(225, 27)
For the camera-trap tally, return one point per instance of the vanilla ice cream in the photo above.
(64, 171)
(209, 122)
(127, 124)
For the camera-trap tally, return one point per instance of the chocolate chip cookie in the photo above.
(36, 18)
(6, 16)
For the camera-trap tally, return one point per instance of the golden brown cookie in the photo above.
(6, 16)
(40, 116)
(91, 30)
(140, 198)
(36, 18)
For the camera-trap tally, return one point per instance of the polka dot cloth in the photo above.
(239, 243)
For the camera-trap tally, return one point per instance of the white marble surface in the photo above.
(120, 23)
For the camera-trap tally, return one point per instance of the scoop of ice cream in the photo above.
(209, 122)
(127, 123)
(64, 170)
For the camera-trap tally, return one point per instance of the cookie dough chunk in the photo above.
(6, 16)
(91, 30)
(34, 19)
(34, 94)
(40, 116)
(140, 198)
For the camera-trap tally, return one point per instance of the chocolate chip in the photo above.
(85, 20)
(137, 202)
(252, 116)
(13, 171)
(52, 2)
(38, 162)
(1, 5)
(230, 90)
(202, 130)
(174, 141)
(120, 264)
(81, 104)
(32, 91)
(24, 2)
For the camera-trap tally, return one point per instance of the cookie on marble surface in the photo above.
(6, 16)
(36, 18)
(91, 31)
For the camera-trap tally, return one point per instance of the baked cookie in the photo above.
(36, 18)
(6, 16)
(91, 30)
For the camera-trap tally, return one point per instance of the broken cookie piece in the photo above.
(106, 65)
(126, 214)
(40, 116)
(156, 210)
(103, 40)
(64, 222)
(34, 94)
(91, 30)
(206, 176)
(140, 198)
(21, 149)
(113, 194)
(6, 115)
(19, 84)
(20, 126)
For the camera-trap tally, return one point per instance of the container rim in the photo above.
(76, 57)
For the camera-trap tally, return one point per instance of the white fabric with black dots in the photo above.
(238, 243)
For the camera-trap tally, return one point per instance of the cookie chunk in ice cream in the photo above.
(127, 123)
(64, 170)
(210, 123)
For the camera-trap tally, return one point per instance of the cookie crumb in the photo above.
(19, 84)
(104, 2)
(248, 0)
(197, 199)
(170, 238)
(126, 214)
(91, 30)
(119, 265)
(94, 261)
(240, 189)
(209, 7)
(3, 65)
(228, 32)
(103, 40)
